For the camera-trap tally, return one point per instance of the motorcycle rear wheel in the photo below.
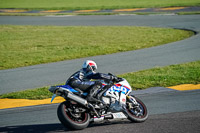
(139, 114)
(70, 119)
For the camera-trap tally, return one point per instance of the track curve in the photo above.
(174, 53)
(171, 111)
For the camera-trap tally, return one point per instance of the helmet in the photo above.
(89, 66)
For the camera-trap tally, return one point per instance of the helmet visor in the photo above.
(93, 68)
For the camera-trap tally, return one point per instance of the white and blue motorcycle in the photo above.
(117, 104)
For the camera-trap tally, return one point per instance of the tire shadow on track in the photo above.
(43, 128)
(55, 128)
(179, 122)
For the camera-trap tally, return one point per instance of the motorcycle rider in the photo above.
(82, 80)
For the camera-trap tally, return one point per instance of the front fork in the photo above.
(132, 100)
(132, 104)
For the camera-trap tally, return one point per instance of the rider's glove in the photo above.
(114, 78)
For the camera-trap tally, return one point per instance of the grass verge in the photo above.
(30, 45)
(98, 13)
(187, 73)
(172, 75)
(188, 13)
(93, 4)
(58, 14)
(33, 94)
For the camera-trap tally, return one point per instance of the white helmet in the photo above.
(89, 66)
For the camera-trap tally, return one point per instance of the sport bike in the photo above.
(117, 103)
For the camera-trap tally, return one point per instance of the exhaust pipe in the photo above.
(77, 99)
(60, 91)
(82, 101)
(74, 98)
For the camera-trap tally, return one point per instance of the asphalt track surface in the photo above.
(54, 73)
(170, 110)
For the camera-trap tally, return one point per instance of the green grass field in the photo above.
(30, 45)
(187, 73)
(93, 4)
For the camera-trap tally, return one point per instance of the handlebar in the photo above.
(115, 78)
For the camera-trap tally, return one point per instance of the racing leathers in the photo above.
(82, 81)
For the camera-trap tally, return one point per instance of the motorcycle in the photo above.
(117, 103)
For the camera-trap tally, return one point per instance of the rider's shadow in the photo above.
(108, 122)
(41, 128)
(46, 128)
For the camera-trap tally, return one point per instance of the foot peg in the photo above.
(93, 109)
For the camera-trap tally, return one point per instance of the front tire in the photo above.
(70, 118)
(139, 113)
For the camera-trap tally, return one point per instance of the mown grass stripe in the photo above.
(30, 45)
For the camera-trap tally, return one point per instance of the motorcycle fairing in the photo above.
(69, 88)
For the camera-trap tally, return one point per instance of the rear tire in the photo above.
(71, 120)
(135, 115)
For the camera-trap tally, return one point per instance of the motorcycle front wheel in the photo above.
(137, 113)
(72, 116)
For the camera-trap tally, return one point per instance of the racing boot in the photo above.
(92, 94)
